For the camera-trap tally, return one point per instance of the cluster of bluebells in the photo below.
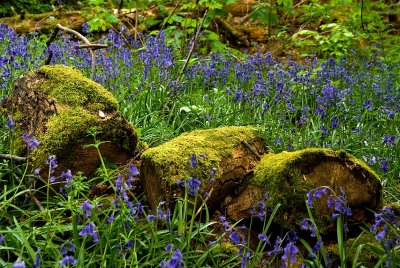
(237, 239)
(175, 261)
(67, 252)
(122, 188)
(288, 252)
(160, 213)
(31, 142)
(52, 163)
(337, 203)
(193, 183)
(387, 232)
(90, 230)
(329, 92)
(259, 211)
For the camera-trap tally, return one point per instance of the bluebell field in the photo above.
(351, 103)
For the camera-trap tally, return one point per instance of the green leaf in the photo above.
(110, 18)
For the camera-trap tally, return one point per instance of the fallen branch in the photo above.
(15, 158)
(87, 45)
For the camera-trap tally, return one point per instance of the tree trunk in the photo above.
(232, 151)
(59, 106)
(288, 176)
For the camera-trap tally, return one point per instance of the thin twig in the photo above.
(15, 158)
(88, 45)
(170, 15)
(92, 46)
(37, 203)
(205, 201)
(192, 47)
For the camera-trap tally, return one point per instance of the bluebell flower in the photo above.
(235, 237)
(87, 207)
(1, 239)
(133, 170)
(384, 164)
(193, 185)
(193, 161)
(67, 176)
(151, 217)
(89, 230)
(309, 200)
(245, 259)
(30, 141)
(36, 263)
(277, 248)
(10, 123)
(264, 238)
(129, 244)
(67, 260)
(36, 172)
(52, 163)
(290, 254)
(168, 247)
(175, 261)
(19, 265)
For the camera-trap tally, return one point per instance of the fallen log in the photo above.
(288, 176)
(225, 149)
(58, 105)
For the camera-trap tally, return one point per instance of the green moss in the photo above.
(70, 87)
(282, 176)
(173, 156)
(63, 128)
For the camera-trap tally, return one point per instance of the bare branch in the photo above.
(15, 158)
(87, 45)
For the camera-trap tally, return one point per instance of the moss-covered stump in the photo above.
(233, 151)
(288, 176)
(58, 105)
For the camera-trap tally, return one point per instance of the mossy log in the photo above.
(288, 176)
(58, 105)
(233, 151)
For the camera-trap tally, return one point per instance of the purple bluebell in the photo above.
(19, 265)
(10, 123)
(193, 185)
(176, 260)
(193, 161)
(264, 238)
(67, 176)
(89, 230)
(290, 254)
(36, 263)
(87, 207)
(52, 163)
(1, 239)
(30, 141)
(36, 172)
(67, 261)
(277, 247)
(168, 247)
(235, 237)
